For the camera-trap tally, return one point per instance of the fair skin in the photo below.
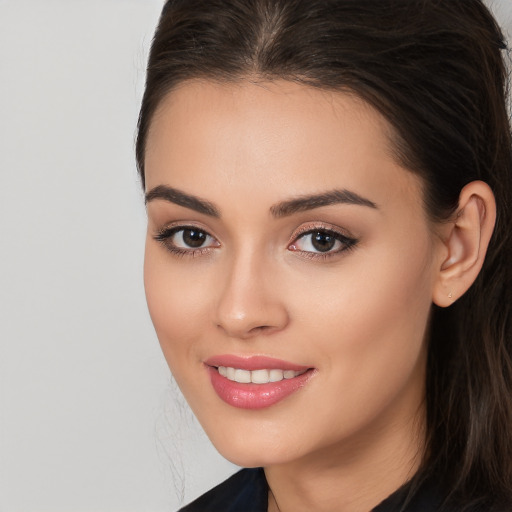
(353, 307)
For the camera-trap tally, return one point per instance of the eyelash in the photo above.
(164, 237)
(347, 243)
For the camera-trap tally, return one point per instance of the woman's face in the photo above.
(287, 247)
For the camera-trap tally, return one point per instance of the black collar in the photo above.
(247, 491)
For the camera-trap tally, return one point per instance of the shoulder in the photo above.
(245, 491)
(427, 496)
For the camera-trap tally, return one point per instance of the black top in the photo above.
(247, 491)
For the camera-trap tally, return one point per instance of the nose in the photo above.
(250, 303)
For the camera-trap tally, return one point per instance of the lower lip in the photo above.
(255, 396)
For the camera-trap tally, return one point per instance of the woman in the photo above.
(328, 186)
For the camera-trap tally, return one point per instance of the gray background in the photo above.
(89, 418)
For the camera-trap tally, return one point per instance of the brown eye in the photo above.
(186, 239)
(193, 238)
(321, 241)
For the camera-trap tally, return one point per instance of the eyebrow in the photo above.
(304, 203)
(282, 209)
(180, 198)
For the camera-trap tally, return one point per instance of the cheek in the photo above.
(177, 301)
(369, 332)
(367, 296)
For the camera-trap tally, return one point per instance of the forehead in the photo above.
(271, 138)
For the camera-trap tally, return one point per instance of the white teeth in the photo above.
(243, 376)
(276, 375)
(230, 373)
(257, 376)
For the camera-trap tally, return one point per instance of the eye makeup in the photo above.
(186, 240)
(312, 241)
(321, 241)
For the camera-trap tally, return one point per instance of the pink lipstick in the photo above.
(255, 382)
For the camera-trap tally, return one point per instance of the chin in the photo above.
(250, 457)
(259, 446)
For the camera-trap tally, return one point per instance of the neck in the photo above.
(354, 476)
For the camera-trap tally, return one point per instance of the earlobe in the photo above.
(465, 241)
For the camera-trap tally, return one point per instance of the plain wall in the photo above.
(89, 417)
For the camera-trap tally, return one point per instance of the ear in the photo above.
(465, 239)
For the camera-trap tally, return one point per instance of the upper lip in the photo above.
(253, 363)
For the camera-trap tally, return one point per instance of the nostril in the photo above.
(260, 328)
(244, 333)
(243, 315)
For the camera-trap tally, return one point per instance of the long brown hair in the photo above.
(435, 70)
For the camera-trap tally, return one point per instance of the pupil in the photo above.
(323, 242)
(194, 238)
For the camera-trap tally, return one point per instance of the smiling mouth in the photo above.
(258, 388)
(257, 376)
